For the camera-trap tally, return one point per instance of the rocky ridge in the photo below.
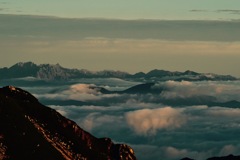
(30, 130)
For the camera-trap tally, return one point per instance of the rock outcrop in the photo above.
(30, 130)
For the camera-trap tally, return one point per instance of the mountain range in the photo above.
(49, 72)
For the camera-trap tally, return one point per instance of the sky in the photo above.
(125, 9)
(123, 35)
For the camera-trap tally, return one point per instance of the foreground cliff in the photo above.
(30, 130)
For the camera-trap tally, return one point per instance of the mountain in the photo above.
(229, 157)
(142, 89)
(27, 69)
(54, 72)
(187, 158)
(162, 75)
(30, 130)
(49, 72)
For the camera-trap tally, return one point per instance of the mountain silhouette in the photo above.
(142, 89)
(229, 157)
(30, 130)
(50, 72)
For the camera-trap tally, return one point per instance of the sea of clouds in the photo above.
(176, 123)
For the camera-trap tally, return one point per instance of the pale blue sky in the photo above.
(126, 9)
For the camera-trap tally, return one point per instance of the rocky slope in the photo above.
(30, 130)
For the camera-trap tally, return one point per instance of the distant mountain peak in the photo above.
(25, 64)
(17, 93)
(189, 72)
(51, 65)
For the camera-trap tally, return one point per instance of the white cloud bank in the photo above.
(222, 91)
(156, 130)
(148, 121)
(79, 92)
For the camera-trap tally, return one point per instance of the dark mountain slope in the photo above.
(142, 89)
(29, 130)
(229, 157)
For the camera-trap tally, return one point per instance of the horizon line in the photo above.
(117, 19)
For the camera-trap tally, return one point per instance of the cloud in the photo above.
(112, 84)
(146, 152)
(229, 149)
(62, 112)
(95, 120)
(88, 122)
(224, 112)
(231, 11)
(116, 46)
(198, 10)
(84, 88)
(155, 53)
(185, 89)
(4, 2)
(154, 42)
(154, 130)
(222, 91)
(78, 29)
(79, 92)
(148, 121)
(172, 152)
(205, 134)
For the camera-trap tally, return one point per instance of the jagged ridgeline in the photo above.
(30, 130)
(56, 72)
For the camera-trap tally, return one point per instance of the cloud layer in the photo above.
(167, 44)
(156, 130)
(52, 28)
(148, 121)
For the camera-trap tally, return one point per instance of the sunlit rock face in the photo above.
(30, 130)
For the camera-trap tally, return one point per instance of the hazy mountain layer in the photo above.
(50, 72)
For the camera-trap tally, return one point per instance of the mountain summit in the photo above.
(49, 72)
(30, 130)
